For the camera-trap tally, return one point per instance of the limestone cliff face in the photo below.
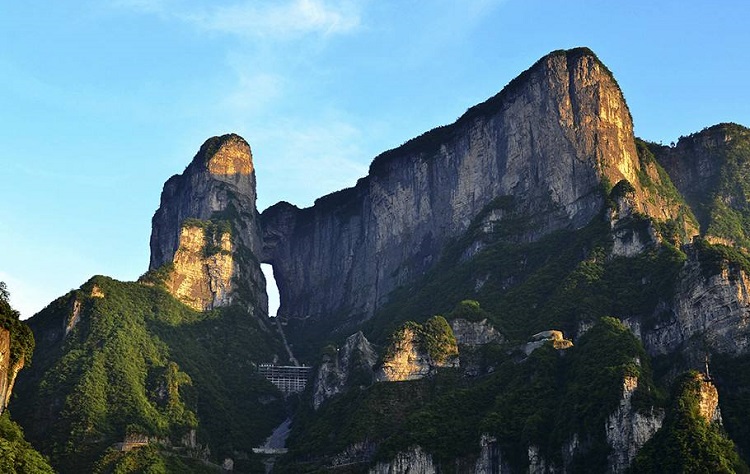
(475, 333)
(199, 280)
(355, 360)
(206, 230)
(709, 168)
(709, 402)
(4, 367)
(413, 461)
(717, 307)
(8, 369)
(628, 429)
(540, 149)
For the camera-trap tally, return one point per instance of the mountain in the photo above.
(529, 289)
(205, 235)
(711, 170)
(528, 162)
(171, 359)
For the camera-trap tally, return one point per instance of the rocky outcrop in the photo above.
(413, 461)
(201, 280)
(206, 232)
(541, 338)
(475, 333)
(716, 307)
(539, 149)
(417, 351)
(708, 402)
(10, 366)
(353, 362)
(628, 430)
(5, 368)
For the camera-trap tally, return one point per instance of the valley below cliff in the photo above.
(529, 289)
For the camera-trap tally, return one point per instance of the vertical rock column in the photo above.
(205, 235)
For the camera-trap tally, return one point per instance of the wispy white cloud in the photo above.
(287, 19)
(279, 19)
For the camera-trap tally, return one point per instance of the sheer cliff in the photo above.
(711, 168)
(532, 160)
(205, 234)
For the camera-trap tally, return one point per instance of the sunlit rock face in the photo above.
(708, 402)
(542, 148)
(407, 358)
(200, 280)
(207, 229)
(8, 370)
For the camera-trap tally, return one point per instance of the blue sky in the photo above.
(102, 100)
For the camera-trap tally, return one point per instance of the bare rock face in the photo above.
(539, 149)
(413, 461)
(8, 369)
(541, 338)
(199, 280)
(709, 169)
(354, 360)
(206, 233)
(475, 333)
(4, 367)
(714, 306)
(628, 430)
(709, 402)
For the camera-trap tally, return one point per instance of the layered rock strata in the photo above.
(714, 307)
(541, 149)
(628, 429)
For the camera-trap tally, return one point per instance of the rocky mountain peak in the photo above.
(227, 155)
(206, 229)
(541, 151)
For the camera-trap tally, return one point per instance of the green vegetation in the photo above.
(17, 456)
(688, 442)
(714, 258)
(149, 460)
(138, 361)
(672, 230)
(213, 231)
(157, 276)
(543, 400)
(557, 282)
(720, 190)
(435, 337)
(21, 338)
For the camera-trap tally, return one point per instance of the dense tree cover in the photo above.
(543, 400)
(17, 456)
(140, 362)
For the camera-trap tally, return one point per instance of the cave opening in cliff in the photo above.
(271, 289)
